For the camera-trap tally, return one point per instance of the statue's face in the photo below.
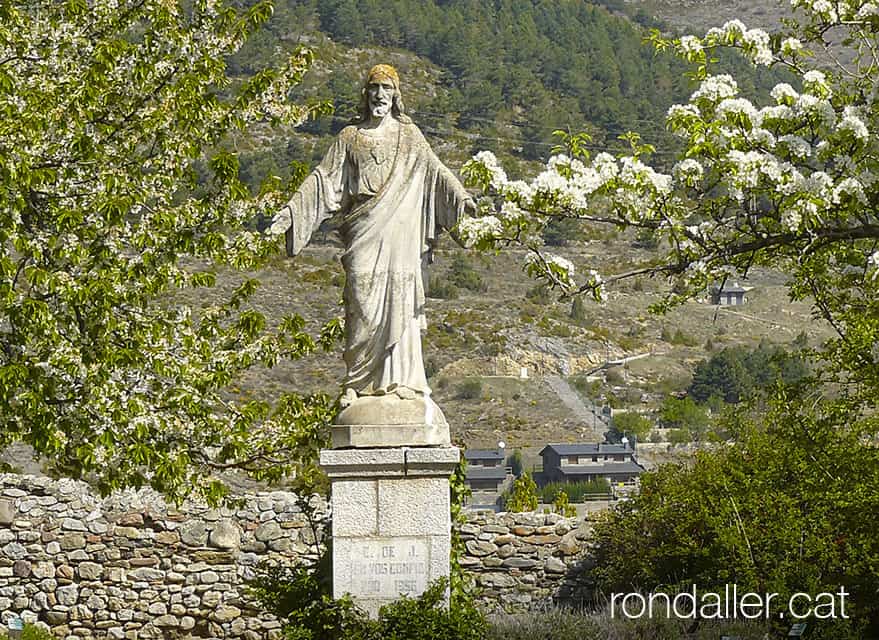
(380, 95)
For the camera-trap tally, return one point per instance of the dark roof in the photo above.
(486, 473)
(729, 288)
(484, 454)
(608, 469)
(586, 449)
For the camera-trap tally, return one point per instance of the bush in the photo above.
(570, 624)
(576, 491)
(515, 460)
(788, 507)
(614, 375)
(629, 423)
(560, 231)
(442, 289)
(578, 310)
(30, 632)
(538, 294)
(464, 276)
(470, 389)
(735, 373)
(301, 598)
(523, 495)
(683, 414)
(562, 505)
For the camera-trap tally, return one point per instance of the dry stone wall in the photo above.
(132, 567)
(527, 560)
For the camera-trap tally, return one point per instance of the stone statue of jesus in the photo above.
(390, 196)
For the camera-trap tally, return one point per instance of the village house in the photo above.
(485, 469)
(728, 295)
(584, 462)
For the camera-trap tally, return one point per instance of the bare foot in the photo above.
(347, 398)
(405, 393)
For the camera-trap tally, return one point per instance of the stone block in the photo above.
(363, 463)
(390, 421)
(355, 508)
(7, 512)
(413, 506)
(431, 460)
(194, 533)
(225, 535)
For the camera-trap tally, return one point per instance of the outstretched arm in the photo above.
(317, 199)
(447, 201)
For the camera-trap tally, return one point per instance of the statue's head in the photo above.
(381, 94)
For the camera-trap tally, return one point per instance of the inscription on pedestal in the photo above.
(389, 567)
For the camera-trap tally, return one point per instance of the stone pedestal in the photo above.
(391, 527)
(389, 421)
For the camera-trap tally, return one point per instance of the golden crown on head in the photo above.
(383, 72)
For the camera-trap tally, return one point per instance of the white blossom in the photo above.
(791, 219)
(821, 108)
(511, 212)
(519, 189)
(796, 146)
(757, 46)
(851, 188)
(791, 46)
(851, 121)
(868, 10)
(779, 112)
(716, 88)
(873, 265)
(690, 44)
(550, 181)
(737, 106)
(562, 263)
(490, 162)
(472, 230)
(783, 93)
(815, 82)
(688, 171)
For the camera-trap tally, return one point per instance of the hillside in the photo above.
(473, 81)
(584, 67)
(697, 16)
(499, 75)
(477, 344)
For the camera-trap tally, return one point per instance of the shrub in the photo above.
(570, 624)
(578, 310)
(442, 289)
(30, 632)
(683, 414)
(427, 618)
(523, 496)
(464, 276)
(614, 375)
(632, 424)
(575, 491)
(559, 231)
(301, 599)
(470, 389)
(515, 459)
(757, 513)
(562, 505)
(538, 294)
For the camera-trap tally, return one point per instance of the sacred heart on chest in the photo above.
(378, 154)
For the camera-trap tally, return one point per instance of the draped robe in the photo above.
(389, 195)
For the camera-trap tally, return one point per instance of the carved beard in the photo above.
(379, 110)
